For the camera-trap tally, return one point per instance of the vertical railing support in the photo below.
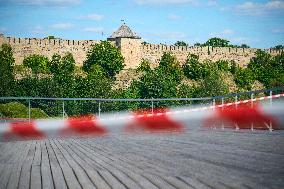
(99, 109)
(29, 110)
(270, 103)
(214, 103)
(251, 105)
(236, 106)
(63, 110)
(152, 106)
(222, 111)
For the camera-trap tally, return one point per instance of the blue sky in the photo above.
(259, 24)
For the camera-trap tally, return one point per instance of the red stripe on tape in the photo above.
(24, 130)
(242, 117)
(159, 121)
(85, 125)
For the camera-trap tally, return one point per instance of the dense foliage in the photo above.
(6, 70)
(107, 57)
(181, 43)
(59, 77)
(219, 42)
(37, 63)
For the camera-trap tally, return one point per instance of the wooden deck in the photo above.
(197, 159)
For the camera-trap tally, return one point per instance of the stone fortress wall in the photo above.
(241, 56)
(132, 50)
(23, 47)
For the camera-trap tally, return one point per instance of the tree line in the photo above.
(60, 77)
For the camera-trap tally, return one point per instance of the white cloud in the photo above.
(174, 17)
(244, 40)
(2, 30)
(278, 30)
(257, 9)
(94, 29)
(228, 32)
(40, 2)
(62, 26)
(164, 2)
(225, 33)
(168, 36)
(92, 16)
(212, 3)
(38, 30)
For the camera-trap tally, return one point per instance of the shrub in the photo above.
(18, 110)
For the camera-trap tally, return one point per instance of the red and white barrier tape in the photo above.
(239, 115)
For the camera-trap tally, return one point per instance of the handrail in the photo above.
(142, 100)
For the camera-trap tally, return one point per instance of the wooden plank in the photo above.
(57, 174)
(35, 177)
(5, 175)
(25, 175)
(15, 176)
(111, 180)
(68, 173)
(37, 156)
(79, 172)
(178, 183)
(24, 182)
(129, 183)
(47, 181)
(161, 183)
(142, 181)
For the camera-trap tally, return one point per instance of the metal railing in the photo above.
(62, 107)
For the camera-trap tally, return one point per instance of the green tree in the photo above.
(157, 84)
(6, 70)
(278, 47)
(217, 42)
(223, 65)
(107, 56)
(198, 44)
(260, 66)
(144, 66)
(62, 69)
(192, 68)
(169, 65)
(38, 63)
(267, 69)
(212, 85)
(181, 43)
(244, 46)
(244, 78)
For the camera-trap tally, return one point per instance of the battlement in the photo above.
(23, 47)
(37, 41)
(172, 48)
(131, 48)
(242, 56)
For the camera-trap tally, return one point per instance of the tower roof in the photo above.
(124, 32)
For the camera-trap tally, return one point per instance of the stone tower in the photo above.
(129, 43)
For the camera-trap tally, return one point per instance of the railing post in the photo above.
(152, 106)
(29, 110)
(270, 103)
(99, 109)
(236, 105)
(222, 111)
(251, 105)
(214, 103)
(63, 110)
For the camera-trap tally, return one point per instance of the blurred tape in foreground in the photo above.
(248, 114)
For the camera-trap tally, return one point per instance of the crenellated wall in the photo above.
(132, 50)
(23, 47)
(153, 53)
